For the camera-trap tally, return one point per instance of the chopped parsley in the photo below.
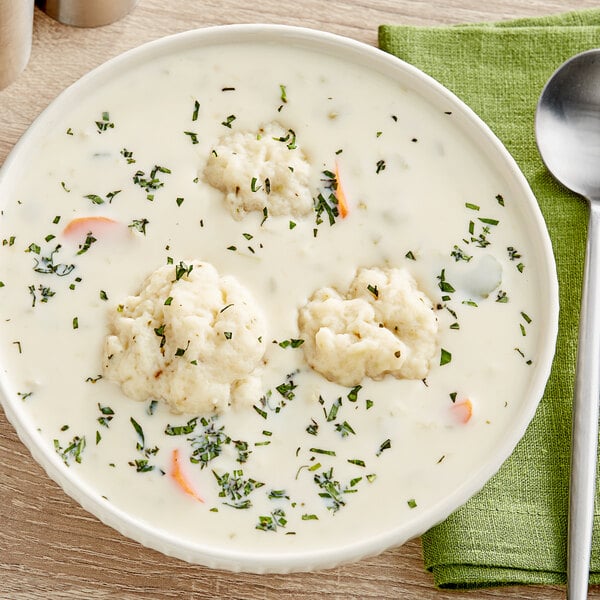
(228, 121)
(193, 136)
(236, 489)
(105, 123)
(291, 343)
(96, 199)
(139, 225)
(445, 357)
(72, 451)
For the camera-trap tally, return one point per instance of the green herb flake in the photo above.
(332, 414)
(72, 451)
(501, 297)
(353, 394)
(236, 489)
(322, 451)
(160, 332)
(265, 215)
(489, 221)
(105, 123)
(75, 323)
(291, 343)
(96, 199)
(445, 357)
(287, 389)
(273, 522)
(443, 284)
(331, 490)
(106, 415)
(139, 225)
(193, 136)
(283, 93)
(187, 429)
(128, 156)
(386, 445)
(228, 121)
(253, 186)
(344, 429)
(513, 253)
(89, 240)
(411, 503)
(182, 270)
(261, 412)
(182, 351)
(313, 428)
(196, 110)
(458, 254)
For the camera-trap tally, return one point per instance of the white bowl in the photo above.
(478, 136)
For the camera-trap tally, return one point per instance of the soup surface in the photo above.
(116, 188)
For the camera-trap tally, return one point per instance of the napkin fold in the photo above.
(514, 531)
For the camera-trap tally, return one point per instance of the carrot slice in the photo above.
(82, 225)
(179, 476)
(463, 410)
(340, 194)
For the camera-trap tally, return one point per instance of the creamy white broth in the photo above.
(416, 204)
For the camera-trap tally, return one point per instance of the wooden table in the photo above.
(49, 546)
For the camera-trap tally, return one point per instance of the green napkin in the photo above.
(514, 530)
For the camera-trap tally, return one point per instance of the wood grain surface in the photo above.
(51, 548)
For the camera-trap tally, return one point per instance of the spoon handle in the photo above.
(584, 440)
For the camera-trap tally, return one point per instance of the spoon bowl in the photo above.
(568, 124)
(568, 136)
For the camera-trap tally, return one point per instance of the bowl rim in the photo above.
(367, 55)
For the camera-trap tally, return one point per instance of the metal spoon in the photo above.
(567, 127)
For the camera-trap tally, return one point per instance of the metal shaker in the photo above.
(86, 13)
(16, 27)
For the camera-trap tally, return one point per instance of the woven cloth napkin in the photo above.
(514, 530)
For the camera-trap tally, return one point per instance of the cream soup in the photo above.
(309, 463)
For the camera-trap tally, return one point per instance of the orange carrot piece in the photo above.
(179, 476)
(83, 225)
(463, 410)
(340, 194)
